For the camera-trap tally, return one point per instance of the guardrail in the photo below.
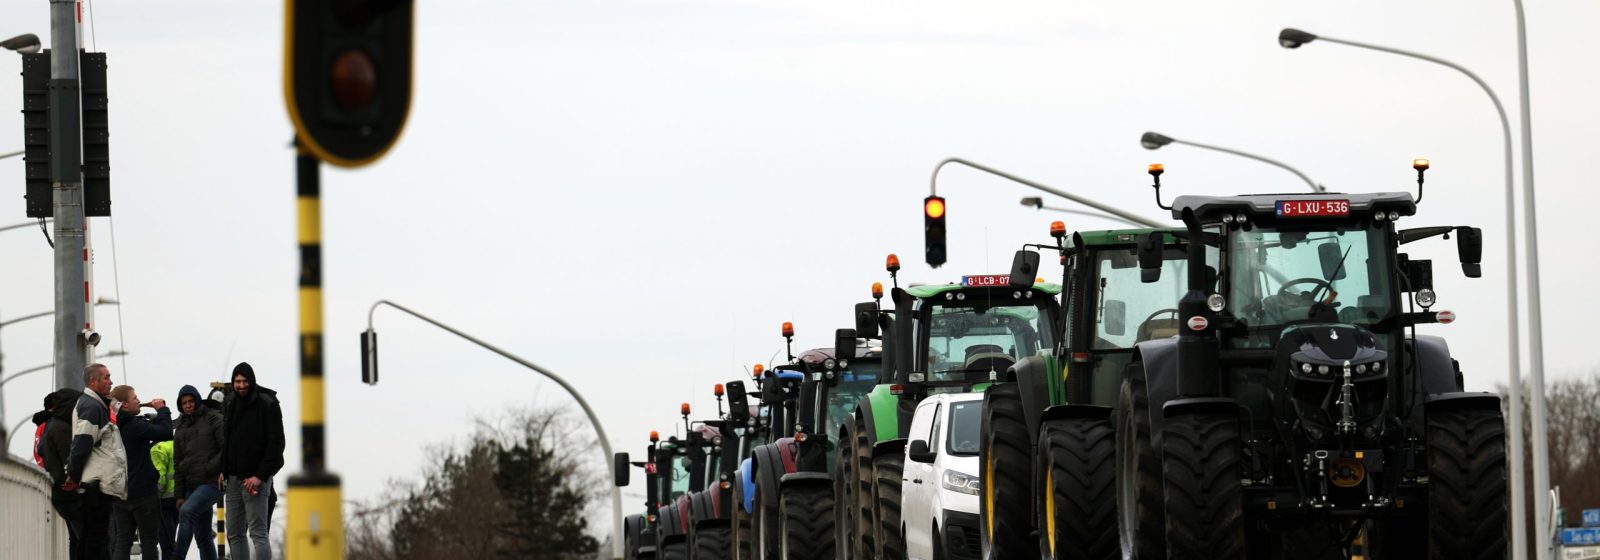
(29, 526)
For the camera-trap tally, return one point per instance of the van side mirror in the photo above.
(867, 319)
(1469, 245)
(1150, 257)
(619, 469)
(738, 403)
(844, 344)
(1116, 317)
(919, 452)
(1024, 270)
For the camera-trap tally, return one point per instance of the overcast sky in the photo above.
(635, 194)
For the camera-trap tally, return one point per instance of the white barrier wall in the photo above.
(29, 526)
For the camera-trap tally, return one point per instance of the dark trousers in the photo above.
(96, 534)
(169, 525)
(70, 507)
(143, 513)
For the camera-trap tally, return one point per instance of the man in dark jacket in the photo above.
(142, 509)
(197, 452)
(54, 450)
(252, 455)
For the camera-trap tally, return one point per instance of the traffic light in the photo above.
(933, 229)
(347, 76)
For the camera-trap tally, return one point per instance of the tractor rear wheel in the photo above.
(712, 543)
(889, 541)
(807, 523)
(742, 544)
(865, 526)
(843, 500)
(1140, 512)
(676, 551)
(1204, 500)
(1467, 485)
(1007, 461)
(1078, 513)
(767, 531)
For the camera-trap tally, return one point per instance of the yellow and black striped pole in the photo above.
(316, 524)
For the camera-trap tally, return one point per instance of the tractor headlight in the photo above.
(961, 482)
(1216, 303)
(1305, 368)
(1324, 370)
(1426, 298)
(830, 363)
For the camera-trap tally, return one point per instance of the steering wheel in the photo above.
(1320, 285)
(1172, 310)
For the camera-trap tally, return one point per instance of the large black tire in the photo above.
(1140, 511)
(743, 546)
(890, 542)
(1078, 514)
(1005, 514)
(675, 551)
(767, 531)
(1204, 499)
(843, 498)
(712, 543)
(807, 519)
(1467, 485)
(865, 527)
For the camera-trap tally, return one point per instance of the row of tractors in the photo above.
(1246, 384)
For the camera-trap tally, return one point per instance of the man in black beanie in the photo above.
(252, 454)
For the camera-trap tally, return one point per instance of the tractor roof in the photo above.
(929, 290)
(1119, 236)
(1362, 204)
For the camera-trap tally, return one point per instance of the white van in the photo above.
(939, 489)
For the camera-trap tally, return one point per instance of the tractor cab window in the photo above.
(1282, 277)
(680, 477)
(1129, 311)
(968, 339)
(852, 384)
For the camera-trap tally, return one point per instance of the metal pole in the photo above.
(1514, 422)
(66, 182)
(1541, 450)
(605, 442)
(1089, 214)
(11, 154)
(316, 524)
(1314, 186)
(933, 188)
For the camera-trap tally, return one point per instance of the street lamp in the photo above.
(4, 324)
(1038, 204)
(1155, 140)
(369, 374)
(1119, 214)
(26, 43)
(1291, 38)
(8, 379)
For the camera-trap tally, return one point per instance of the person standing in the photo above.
(97, 465)
(161, 456)
(54, 450)
(142, 508)
(252, 455)
(197, 453)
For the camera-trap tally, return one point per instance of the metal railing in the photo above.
(29, 526)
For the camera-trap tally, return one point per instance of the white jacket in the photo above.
(108, 461)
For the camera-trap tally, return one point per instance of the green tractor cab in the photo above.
(1298, 373)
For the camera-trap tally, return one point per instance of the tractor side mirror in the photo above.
(867, 320)
(919, 452)
(1115, 317)
(1469, 244)
(619, 469)
(1150, 257)
(844, 344)
(1024, 269)
(1332, 260)
(738, 403)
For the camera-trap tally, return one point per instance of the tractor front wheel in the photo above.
(742, 545)
(1078, 513)
(890, 542)
(865, 526)
(1204, 500)
(1140, 512)
(807, 523)
(843, 500)
(712, 543)
(1467, 485)
(1004, 455)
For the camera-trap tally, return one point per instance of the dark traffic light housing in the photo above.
(96, 136)
(347, 76)
(933, 229)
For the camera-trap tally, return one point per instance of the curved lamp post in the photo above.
(1291, 38)
(1037, 203)
(369, 374)
(1155, 140)
(1114, 212)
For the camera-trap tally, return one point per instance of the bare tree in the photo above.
(1573, 414)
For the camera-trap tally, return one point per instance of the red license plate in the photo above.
(986, 280)
(1313, 208)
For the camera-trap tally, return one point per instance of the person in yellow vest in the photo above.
(166, 485)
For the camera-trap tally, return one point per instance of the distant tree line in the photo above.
(514, 490)
(1572, 408)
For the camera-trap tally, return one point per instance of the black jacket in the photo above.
(197, 444)
(253, 445)
(138, 434)
(58, 435)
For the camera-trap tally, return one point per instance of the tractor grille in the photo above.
(961, 536)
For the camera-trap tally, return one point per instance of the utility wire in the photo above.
(116, 282)
(94, 46)
(46, 231)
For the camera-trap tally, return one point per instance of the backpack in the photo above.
(38, 443)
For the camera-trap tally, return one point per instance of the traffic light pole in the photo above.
(66, 182)
(1131, 218)
(316, 524)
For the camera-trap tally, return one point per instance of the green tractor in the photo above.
(1298, 408)
(1047, 451)
(938, 338)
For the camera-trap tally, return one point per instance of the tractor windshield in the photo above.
(680, 477)
(968, 339)
(853, 384)
(1280, 277)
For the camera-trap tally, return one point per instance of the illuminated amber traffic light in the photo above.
(933, 211)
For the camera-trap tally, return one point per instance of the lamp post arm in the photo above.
(8, 378)
(7, 322)
(933, 188)
(22, 225)
(605, 443)
(1092, 215)
(1457, 67)
(1313, 184)
(11, 154)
